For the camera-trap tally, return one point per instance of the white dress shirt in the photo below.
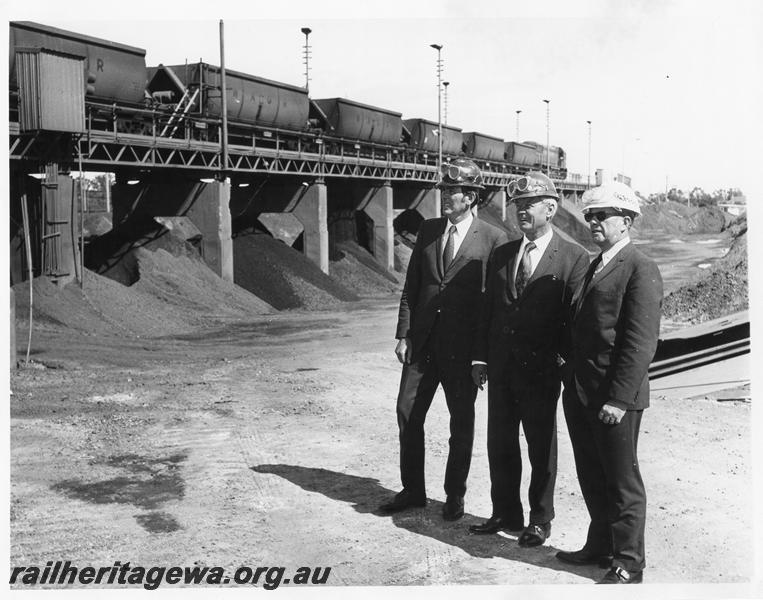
(535, 254)
(608, 255)
(460, 234)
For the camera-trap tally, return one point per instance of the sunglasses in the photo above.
(524, 185)
(600, 215)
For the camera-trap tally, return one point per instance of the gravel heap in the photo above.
(358, 270)
(492, 214)
(720, 291)
(403, 250)
(284, 277)
(673, 217)
(569, 219)
(174, 295)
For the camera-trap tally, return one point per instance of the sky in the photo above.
(672, 89)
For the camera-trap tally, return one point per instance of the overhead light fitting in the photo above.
(37, 175)
(243, 184)
(207, 180)
(133, 181)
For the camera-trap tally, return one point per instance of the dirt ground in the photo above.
(273, 441)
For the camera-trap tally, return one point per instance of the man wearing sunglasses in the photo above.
(522, 336)
(443, 286)
(615, 327)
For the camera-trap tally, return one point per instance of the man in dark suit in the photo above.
(522, 338)
(438, 309)
(615, 327)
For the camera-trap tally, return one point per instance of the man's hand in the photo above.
(479, 375)
(611, 415)
(404, 350)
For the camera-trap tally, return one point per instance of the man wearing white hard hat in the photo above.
(615, 327)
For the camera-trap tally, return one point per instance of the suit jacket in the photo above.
(521, 337)
(452, 294)
(615, 327)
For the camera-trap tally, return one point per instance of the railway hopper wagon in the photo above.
(484, 147)
(114, 72)
(355, 121)
(421, 136)
(346, 124)
(250, 99)
(185, 101)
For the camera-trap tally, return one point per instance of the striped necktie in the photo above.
(525, 269)
(450, 247)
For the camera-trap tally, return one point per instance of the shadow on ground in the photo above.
(366, 494)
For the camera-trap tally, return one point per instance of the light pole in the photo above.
(518, 111)
(445, 85)
(307, 31)
(589, 155)
(548, 149)
(438, 47)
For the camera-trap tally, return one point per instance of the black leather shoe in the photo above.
(453, 509)
(403, 500)
(584, 557)
(620, 575)
(534, 535)
(496, 524)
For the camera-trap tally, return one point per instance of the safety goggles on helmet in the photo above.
(457, 173)
(526, 185)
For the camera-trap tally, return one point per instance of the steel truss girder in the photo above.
(107, 149)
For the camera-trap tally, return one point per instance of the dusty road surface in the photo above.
(272, 442)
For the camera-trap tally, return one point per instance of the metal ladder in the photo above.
(182, 108)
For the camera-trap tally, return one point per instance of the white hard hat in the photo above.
(611, 195)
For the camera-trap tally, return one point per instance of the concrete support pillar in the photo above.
(312, 210)
(427, 203)
(378, 206)
(498, 199)
(210, 212)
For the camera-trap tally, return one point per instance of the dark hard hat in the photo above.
(533, 185)
(461, 172)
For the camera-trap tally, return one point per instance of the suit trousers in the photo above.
(610, 480)
(535, 407)
(418, 385)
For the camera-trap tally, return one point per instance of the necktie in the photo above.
(525, 269)
(450, 246)
(591, 271)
